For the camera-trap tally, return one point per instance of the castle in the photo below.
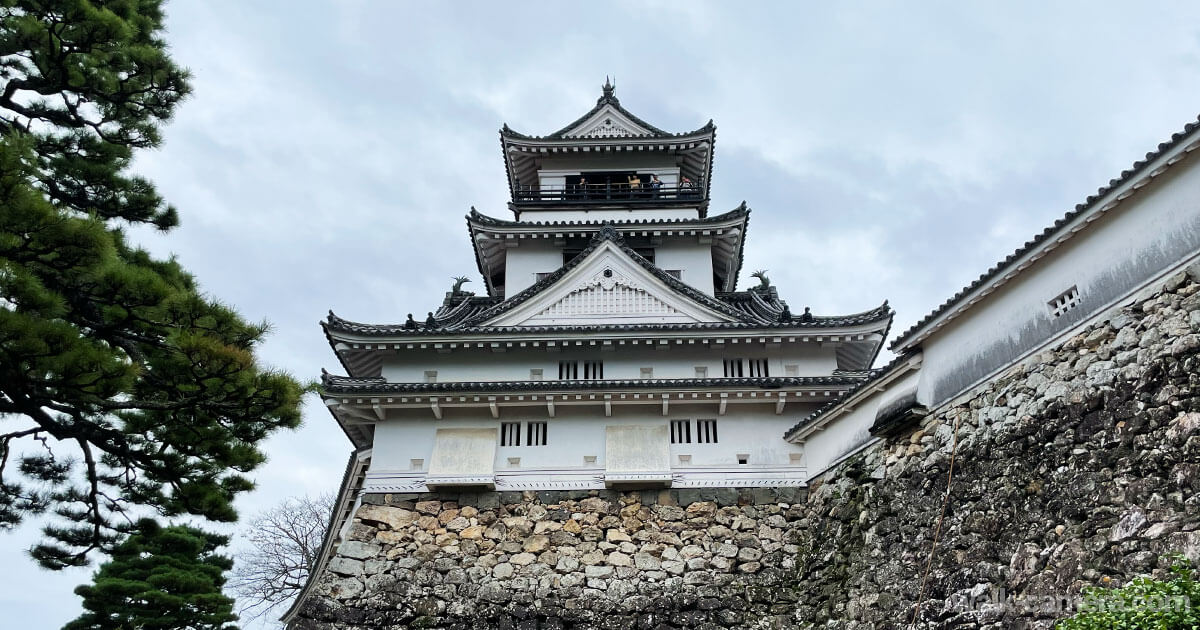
(614, 420)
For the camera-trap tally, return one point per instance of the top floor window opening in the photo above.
(613, 186)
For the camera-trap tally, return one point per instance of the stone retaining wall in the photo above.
(1079, 467)
(602, 559)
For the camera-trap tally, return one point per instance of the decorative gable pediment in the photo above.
(608, 122)
(607, 288)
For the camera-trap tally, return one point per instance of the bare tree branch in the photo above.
(284, 544)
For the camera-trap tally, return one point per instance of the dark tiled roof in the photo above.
(607, 98)
(874, 376)
(482, 219)
(750, 310)
(335, 323)
(1126, 176)
(333, 384)
(507, 135)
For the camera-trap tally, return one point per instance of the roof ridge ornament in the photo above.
(608, 88)
(608, 232)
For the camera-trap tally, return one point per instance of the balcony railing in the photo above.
(608, 193)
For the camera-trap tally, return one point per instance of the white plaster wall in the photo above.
(531, 257)
(579, 431)
(1130, 245)
(693, 259)
(849, 431)
(625, 362)
(524, 262)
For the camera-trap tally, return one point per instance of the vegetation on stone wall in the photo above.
(1143, 604)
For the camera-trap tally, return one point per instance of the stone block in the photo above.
(358, 550)
(503, 570)
(345, 566)
(393, 517)
(597, 571)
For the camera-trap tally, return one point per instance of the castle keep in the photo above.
(613, 436)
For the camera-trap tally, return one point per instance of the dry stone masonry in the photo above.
(548, 559)
(1078, 467)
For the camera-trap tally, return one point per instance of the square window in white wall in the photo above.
(589, 460)
(416, 464)
(647, 372)
(791, 369)
(701, 371)
(430, 376)
(685, 460)
(535, 374)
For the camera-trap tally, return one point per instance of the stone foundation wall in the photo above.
(1079, 467)
(602, 559)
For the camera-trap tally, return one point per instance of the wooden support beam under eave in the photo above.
(380, 412)
(495, 409)
(780, 403)
(437, 410)
(550, 406)
(666, 404)
(724, 404)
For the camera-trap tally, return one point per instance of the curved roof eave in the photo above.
(333, 385)
(349, 331)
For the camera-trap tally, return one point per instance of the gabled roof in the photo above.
(753, 309)
(602, 288)
(607, 127)
(1061, 230)
(609, 234)
(608, 103)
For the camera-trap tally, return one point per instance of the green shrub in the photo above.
(1143, 604)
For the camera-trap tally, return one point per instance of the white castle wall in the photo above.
(693, 259)
(523, 263)
(810, 359)
(578, 432)
(850, 431)
(1149, 234)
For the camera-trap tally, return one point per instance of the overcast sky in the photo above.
(888, 150)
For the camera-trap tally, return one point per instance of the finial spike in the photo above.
(608, 87)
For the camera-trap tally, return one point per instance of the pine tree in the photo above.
(122, 387)
(160, 578)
